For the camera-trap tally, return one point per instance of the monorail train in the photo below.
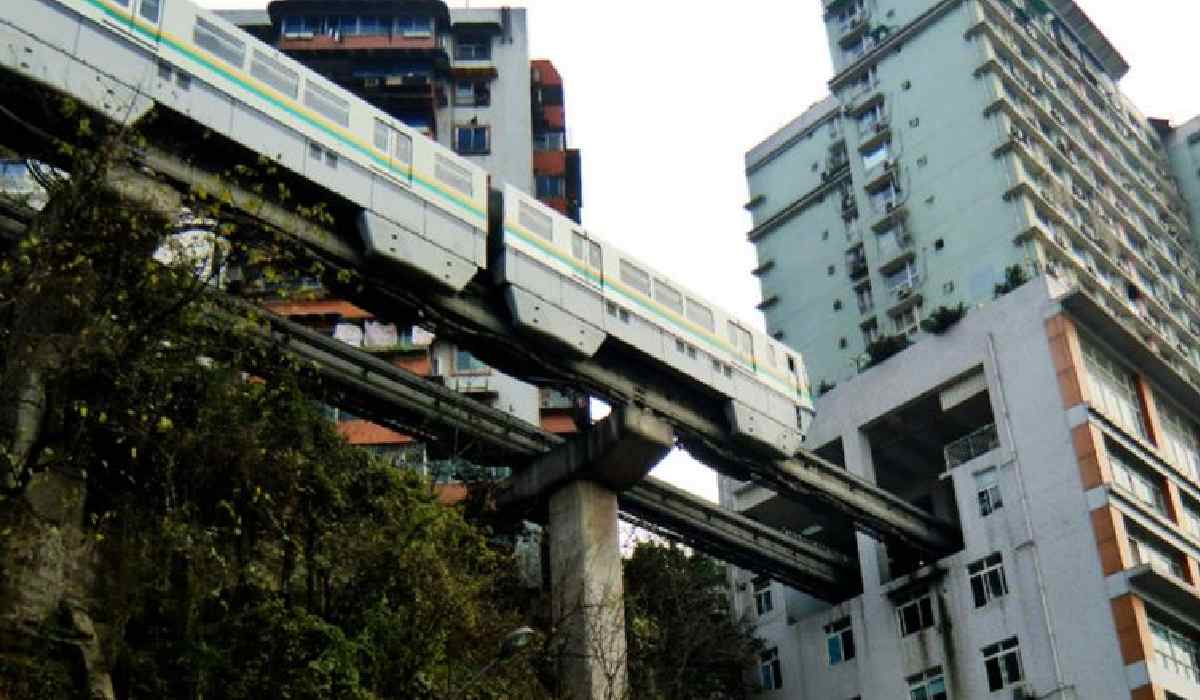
(421, 205)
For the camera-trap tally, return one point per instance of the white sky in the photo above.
(664, 97)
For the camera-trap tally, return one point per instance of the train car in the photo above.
(564, 283)
(423, 206)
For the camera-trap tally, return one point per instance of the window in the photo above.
(1156, 555)
(472, 93)
(549, 141)
(585, 250)
(1191, 521)
(465, 362)
(987, 491)
(762, 596)
(452, 174)
(299, 27)
(1137, 482)
(839, 641)
(1002, 661)
(700, 314)
(915, 613)
(1113, 390)
(770, 670)
(550, 186)
(904, 276)
(930, 685)
(473, 48)
(472, 140)
(414, 25)
(274, 73)
(219, 42)
(635, 277)
(668, 296)
(739, 338)
(875, 155)
(535, 221)
(865, 301)
(327, 103)
(151, 10)
(871, 120)
(987, 579)
(1179, 436)
(884, 198)
(1175, 651)
(870, 332)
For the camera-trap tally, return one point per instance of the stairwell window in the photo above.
(987, 579)
(762, 596)
(839, 641)
(987, 491)
(930, 685)
(1002, 662)
(915, 613)
(770, 670)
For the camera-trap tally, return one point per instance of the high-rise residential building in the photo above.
(463, 77)
(963, 139)
(978, 156)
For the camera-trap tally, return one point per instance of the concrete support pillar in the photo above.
(589, 604)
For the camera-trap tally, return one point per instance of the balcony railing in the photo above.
(970, 446)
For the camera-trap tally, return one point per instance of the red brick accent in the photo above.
(1133, 629)
(1068, 360)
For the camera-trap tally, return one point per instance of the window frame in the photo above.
(994, 495)
(471, 148)
(1005, 658)
(770, 669)
(839, 636)
(473, 47)
(921, 686)
(925, 617)
(987, 579)
(764, 603)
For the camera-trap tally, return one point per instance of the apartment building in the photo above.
(1065, 449)
(978, 156)
(962, 139)
(463, 77)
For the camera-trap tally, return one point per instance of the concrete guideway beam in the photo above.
(617, 452)
(738, 540)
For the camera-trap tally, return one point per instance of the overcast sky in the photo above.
(664, 97)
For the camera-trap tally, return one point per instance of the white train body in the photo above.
(422, 207)
(567, 284)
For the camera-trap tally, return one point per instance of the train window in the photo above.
(535, 221)
(635, 277)
(739, 337)
(771, 355)
(578, 246)
(219, 42)
(164, 71)
(595, 257)
(315, 152)
(680, 346)
(701, 314)
(151, 10)
(454, 175)
(404, 148)
(791, 364)
(668, 296)
(382, 135)
(275, 74)
(328, 103)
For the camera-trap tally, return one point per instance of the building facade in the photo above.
(964, 138)
(463, 77)
(978, 156)
(1066, 452)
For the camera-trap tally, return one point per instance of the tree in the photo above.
(178, 519)
(683, 640)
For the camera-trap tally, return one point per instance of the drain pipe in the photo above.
(1037, 561)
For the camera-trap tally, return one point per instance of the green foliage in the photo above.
(881, 350)
(1014, 276)
(943, 318)
(247, 550)
(683, 640)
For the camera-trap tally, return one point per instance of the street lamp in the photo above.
(512, 643)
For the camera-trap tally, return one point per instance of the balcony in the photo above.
(853, 28)
(971, 445)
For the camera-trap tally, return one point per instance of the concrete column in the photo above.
(588, 592)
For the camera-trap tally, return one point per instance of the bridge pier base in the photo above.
(577, 485)
(588, 591)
